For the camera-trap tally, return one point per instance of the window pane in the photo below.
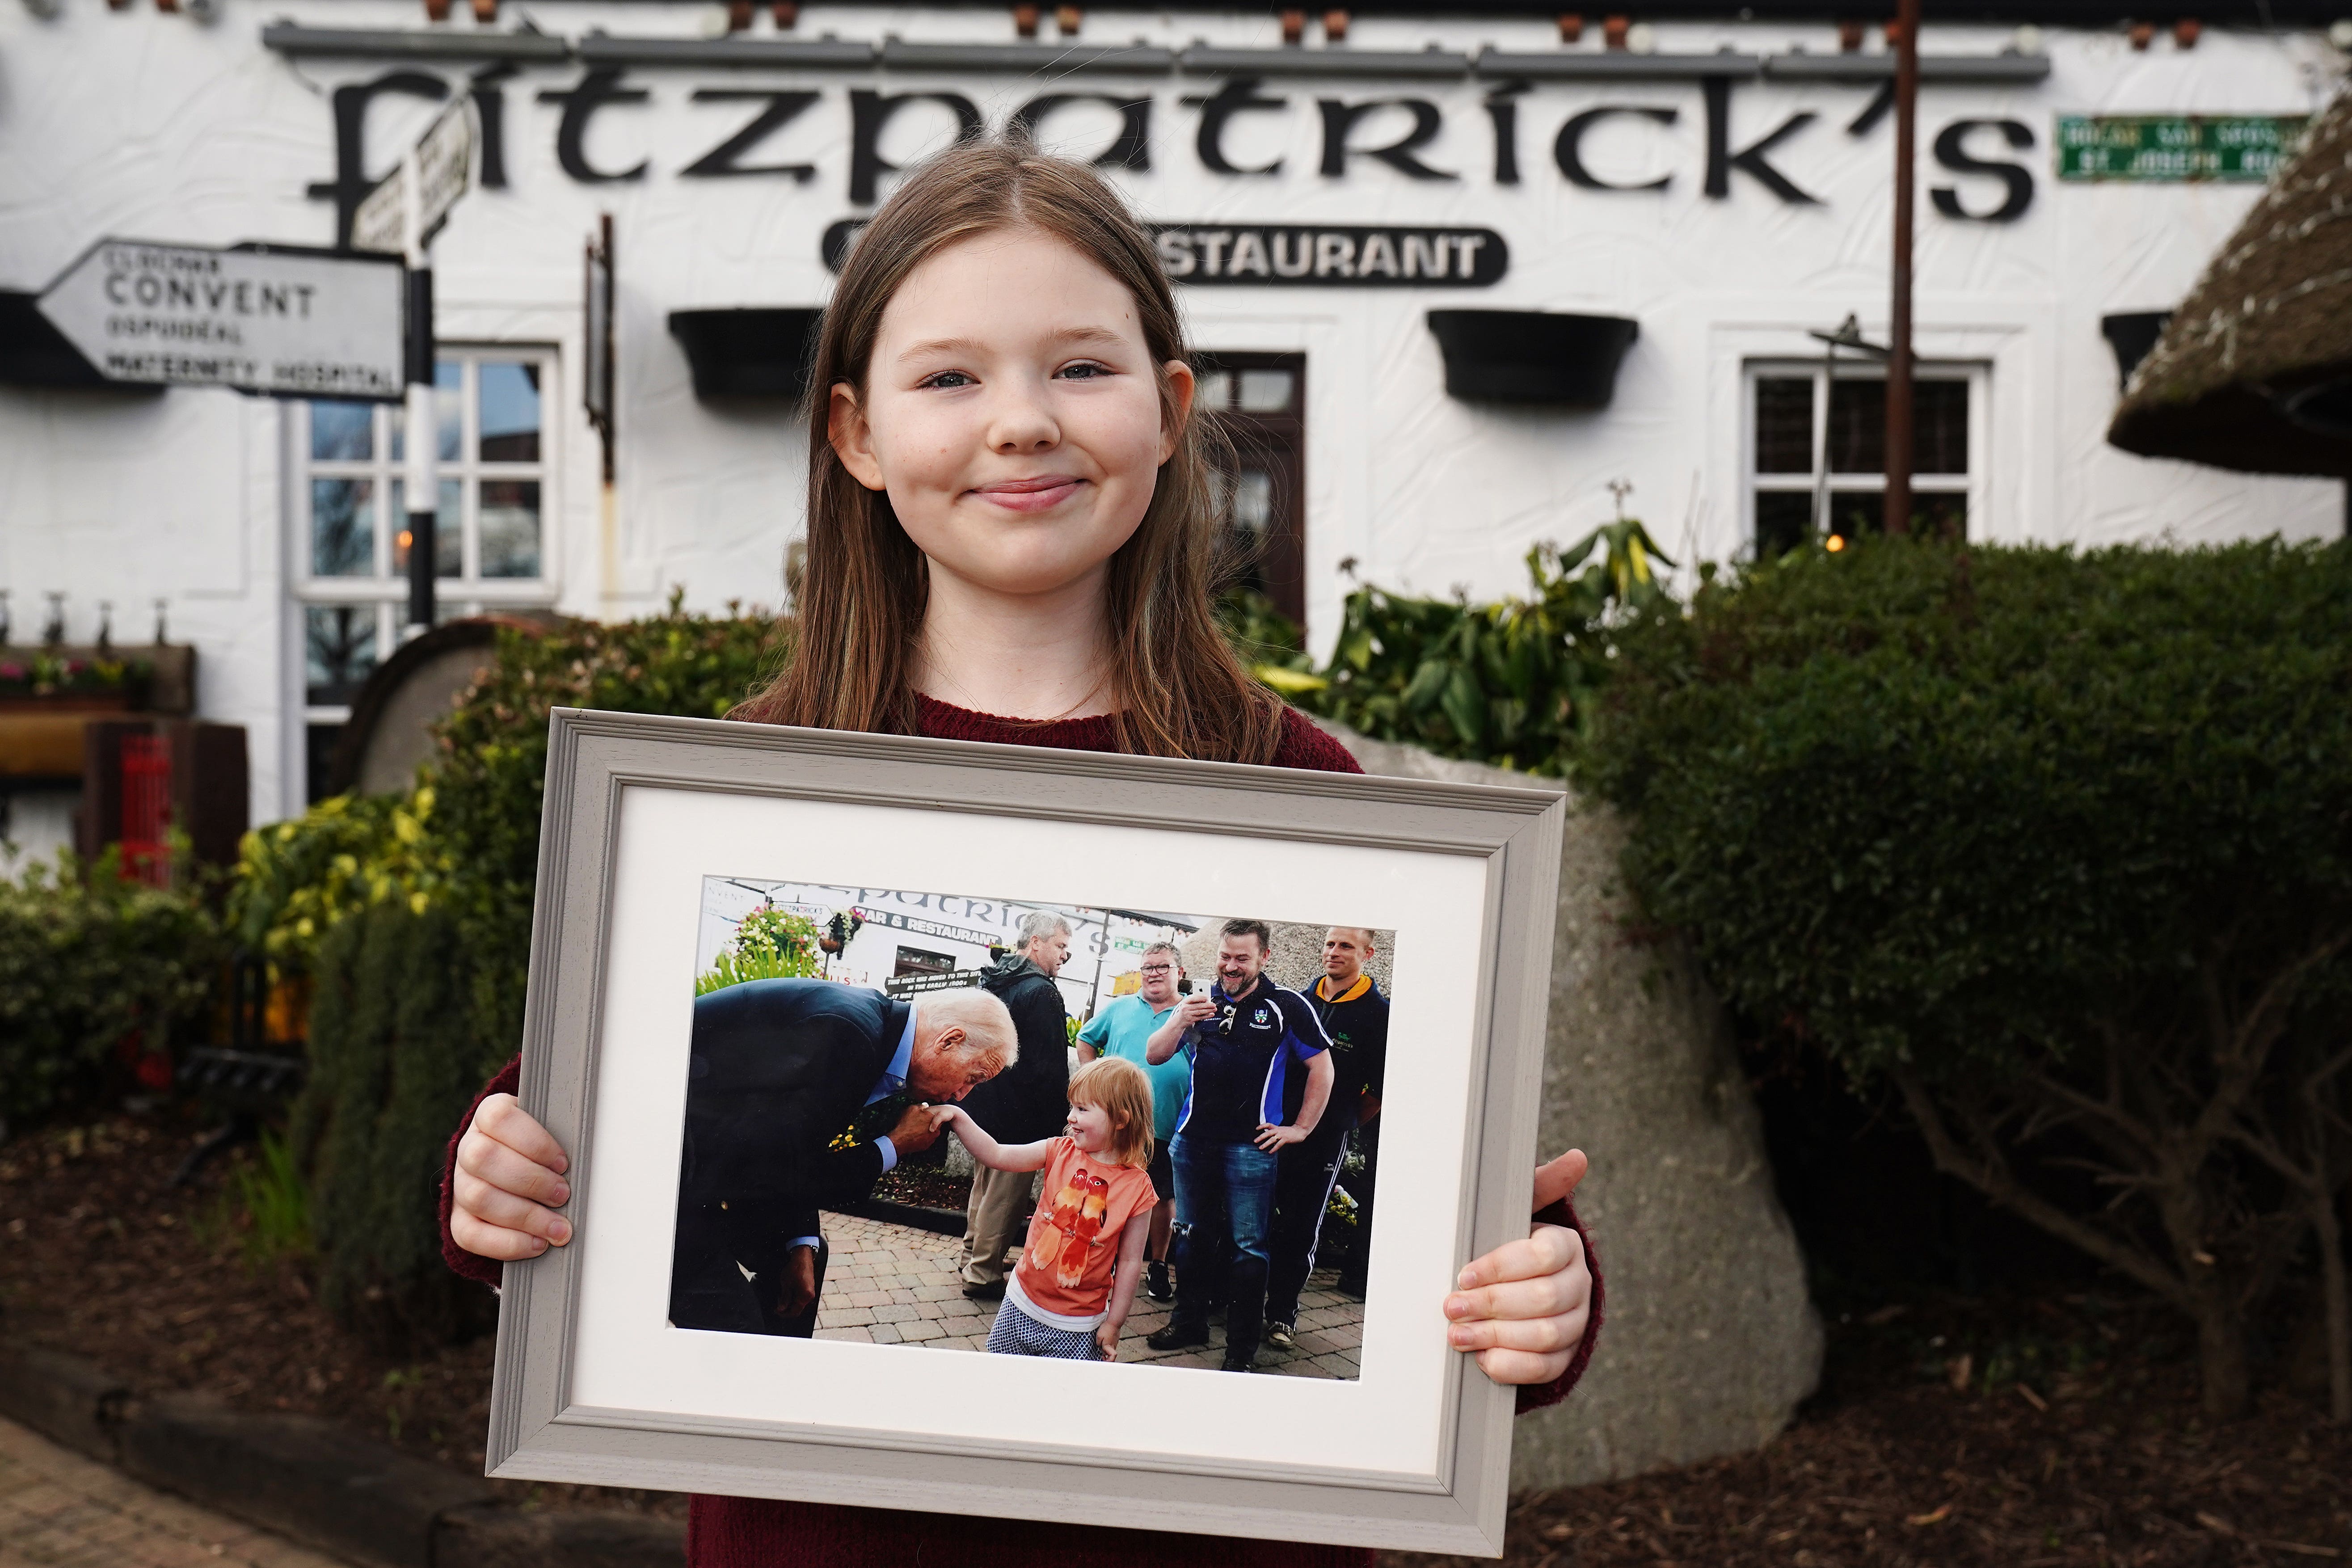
(1217, 389)
(509, 528)
(318, 755)
(1940, 427)
(1858, 426)
(342, 431)
(1782, 519)
(339, 650)
(1854, 512)
(343, 528)
(1784, 424)
(1942, 513)
(1266, 391)
(1253, 502)
(449, 531)
(509, 413)
(448, 414)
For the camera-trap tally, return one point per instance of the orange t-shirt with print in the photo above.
(1083, 1207)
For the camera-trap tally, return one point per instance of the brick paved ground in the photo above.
(58, 1510)
(890, 1284)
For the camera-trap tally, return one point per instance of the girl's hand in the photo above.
(1522, 1308)
(1107, 1339)
(508, 1186)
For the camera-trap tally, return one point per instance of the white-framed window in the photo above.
(1799, 421)
(497, 472)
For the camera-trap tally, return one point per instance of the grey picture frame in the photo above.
(539, 1431)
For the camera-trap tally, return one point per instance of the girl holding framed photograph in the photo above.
(1013, 522)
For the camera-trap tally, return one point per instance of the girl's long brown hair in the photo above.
(1177, 688)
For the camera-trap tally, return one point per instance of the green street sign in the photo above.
(2172, 148)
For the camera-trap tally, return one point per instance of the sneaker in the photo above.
(1156, 1283)
(1238, 1362)
(1281, 1336)
(1176, 1336)
(993, 1291)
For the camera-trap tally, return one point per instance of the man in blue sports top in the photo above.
(1247, 1038)
(1123, 1028)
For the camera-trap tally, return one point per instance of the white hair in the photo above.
(987, 1026)
(1042, 922)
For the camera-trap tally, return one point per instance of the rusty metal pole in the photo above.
(1899, 425)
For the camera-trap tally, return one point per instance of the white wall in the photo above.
(148, 125)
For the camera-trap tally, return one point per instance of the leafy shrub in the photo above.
(770, 944)
(412, 914)
(267, 1203)
(396, 1056)
(2056, 847)
(100, 975)
(1511, 682)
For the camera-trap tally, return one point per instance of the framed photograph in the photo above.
(792, 997)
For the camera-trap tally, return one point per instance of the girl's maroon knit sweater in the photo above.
(753, 1532)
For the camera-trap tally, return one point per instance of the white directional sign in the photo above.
(291, 324)
(443, 164)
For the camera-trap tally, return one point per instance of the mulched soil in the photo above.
(926, 1187)
(2026, 1432)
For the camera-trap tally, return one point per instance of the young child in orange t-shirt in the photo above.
(1077, 1276)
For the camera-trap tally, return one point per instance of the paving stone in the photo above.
(92, 1515)
(916, 1332)
(884, 1333)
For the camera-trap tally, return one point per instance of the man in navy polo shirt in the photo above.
(1247, 1037)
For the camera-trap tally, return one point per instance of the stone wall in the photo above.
(1711, 1339)
(1297, 958)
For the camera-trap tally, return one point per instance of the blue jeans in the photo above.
(1224, 1207)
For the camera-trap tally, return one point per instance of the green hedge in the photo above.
(412, 915)
(2058, 848)
(99, 975)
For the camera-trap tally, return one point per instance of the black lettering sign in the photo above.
(1569, 151)
(594, 90)
(1951, 152)
(1503, 112)
(1330, 255)
(1234, 97)
(351, 182)
(1339, 120)
(490, 101)
(1749, 160)
(869, 112)
(782, 109)
(1132, 149)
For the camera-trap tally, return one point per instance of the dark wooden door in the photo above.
(1261, 401)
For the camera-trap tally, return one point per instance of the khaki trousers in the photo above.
(999, 1200)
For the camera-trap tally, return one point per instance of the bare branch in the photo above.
(1991, 1177)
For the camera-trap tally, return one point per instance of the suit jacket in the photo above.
(1031, 1099)
(780, 1070)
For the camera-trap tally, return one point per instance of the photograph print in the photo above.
(972, 1124)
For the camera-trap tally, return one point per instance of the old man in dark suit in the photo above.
(800, 1093)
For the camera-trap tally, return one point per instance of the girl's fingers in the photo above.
(1557, 1180)
(1552, 1335)
(1547, 1250)
(498, 1165)
(480, 1201)
(493, 1241)
(502, 1117)
(1514, 1368)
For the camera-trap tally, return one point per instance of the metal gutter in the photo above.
(1567, 64)
(1204, 60)
(296, 41)
(821, 54)
(2012, 68)
(1029, 59)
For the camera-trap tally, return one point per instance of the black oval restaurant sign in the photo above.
(1297, 255)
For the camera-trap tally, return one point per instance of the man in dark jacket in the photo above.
(1029, 1102)
(800, 1093)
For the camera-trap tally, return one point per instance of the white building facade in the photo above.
(1721, 184)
